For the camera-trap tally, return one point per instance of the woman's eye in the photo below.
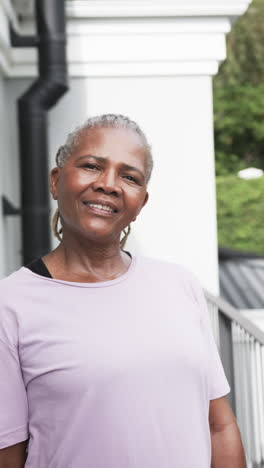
(90, 166)
(131, 178)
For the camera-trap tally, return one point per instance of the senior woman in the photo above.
(107, 358)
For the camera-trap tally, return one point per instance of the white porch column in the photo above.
(154, 61)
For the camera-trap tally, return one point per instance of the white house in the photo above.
(154, 61)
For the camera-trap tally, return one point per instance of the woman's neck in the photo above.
(86, 264)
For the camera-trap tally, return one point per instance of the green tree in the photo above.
(239, 96)
(239, 127)
(245, 50)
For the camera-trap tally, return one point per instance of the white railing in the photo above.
(241, 346)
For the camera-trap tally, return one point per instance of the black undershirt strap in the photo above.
(39, 267)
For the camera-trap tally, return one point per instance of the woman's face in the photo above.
(108, 168)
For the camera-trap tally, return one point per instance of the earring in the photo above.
(124, 238)
(54, 225)
(57, 232)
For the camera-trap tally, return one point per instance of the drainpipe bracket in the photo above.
(18, 40)
(8, 208)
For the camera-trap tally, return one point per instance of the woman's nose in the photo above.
(107, 181)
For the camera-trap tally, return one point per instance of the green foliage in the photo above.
(239, 96)
(239, 134)
(245, 50)
(239, 128)
(240, 213)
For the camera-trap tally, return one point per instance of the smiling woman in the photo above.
(107, 358)
(93, 143)
(100, 182)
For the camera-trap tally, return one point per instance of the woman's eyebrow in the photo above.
(98, 158)
(102, 159)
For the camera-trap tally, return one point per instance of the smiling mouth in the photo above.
(101, 209)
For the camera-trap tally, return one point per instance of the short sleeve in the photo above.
(218, 385)
(13, 398)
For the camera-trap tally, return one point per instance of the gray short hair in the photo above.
(101, 121)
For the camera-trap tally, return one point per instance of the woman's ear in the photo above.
(143, 204)
(146, 199)
(54, 177)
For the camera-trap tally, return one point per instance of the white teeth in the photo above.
(100, 207)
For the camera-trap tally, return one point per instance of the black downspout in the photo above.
(43, 94)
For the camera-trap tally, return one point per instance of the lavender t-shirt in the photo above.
(115, 374)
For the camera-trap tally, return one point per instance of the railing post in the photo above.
(227, 356)
(241, 347)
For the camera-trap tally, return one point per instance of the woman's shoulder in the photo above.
(12, 282)
(168, 265)
(13, 275)
(10, 298)
(172, 278)
(170, 271)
